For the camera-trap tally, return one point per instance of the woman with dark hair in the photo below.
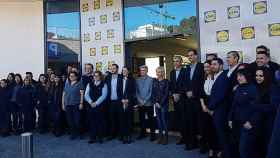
(267, 106)
(55, 105)
(26, 101)
(42, 92)
(12, 108)
(72, 103)
(95, 95)
(16, 112)
(208, 132)
(244, 115)
(4, 111)
(128, 100)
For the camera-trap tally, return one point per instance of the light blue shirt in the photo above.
(114, 84)
(177, 73)
(144, 86)
(101, 98)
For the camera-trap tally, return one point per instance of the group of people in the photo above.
(225, 113)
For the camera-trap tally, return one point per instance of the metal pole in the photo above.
(27, 145)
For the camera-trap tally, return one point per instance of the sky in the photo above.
(68, 23)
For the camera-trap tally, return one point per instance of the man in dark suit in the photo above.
(114, 83)
(177, 89)
(218, 105)
(195, 82)
(263, 59)
(233, 64)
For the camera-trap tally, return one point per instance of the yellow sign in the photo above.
(92, 51)
(85, 7)
(260, 7)
(210, 16)
(248, 33)
(223, 36)
(110, 33)
(103, 19)
(234, 12)
(109, 3)
(274, 29)
(86, 37)
(97, 35)
(96, 4)
(99, 66)
(117, 49)
(104, 50)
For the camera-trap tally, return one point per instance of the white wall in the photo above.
(21, 37)
(208, 40)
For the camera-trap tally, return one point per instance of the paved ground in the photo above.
(47, 146)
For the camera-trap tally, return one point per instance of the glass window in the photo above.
(63, 34)
(159, 19)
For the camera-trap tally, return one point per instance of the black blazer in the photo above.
(129, 92)
(179, 85)
(119, 86)
(196, 85)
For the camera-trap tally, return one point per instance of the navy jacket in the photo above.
(26, 97)
(197, 83)
(219, 93)
(244, 101)
(179, 85)
(4, 110)
(160, 92)
(273, 150)
(42, 95)
(87, 79)
(119, 86)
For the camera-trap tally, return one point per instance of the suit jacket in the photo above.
(129, 92)
(196, 85)
(119, 86)
(219, 92)
(272, 68)
(273, 150)
(179, 85)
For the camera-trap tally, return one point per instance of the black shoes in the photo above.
(141, 136)
(180, 142)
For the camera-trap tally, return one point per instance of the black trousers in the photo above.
(97, 122)
(114, 112)
(126, 120)
(147, 119)
(15, 113)
(180, 116)
(192, 120)
(44, 115)
(73, 117)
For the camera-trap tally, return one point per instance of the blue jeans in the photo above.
(162, 119)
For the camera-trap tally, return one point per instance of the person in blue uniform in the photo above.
(267, 104)
(13, 100)
(95, 95)
(160, 98)
(128, 101)
(218, 105)
(55, 100)
(26, 101)
(243, 112)
(4, 111)
(42, 103)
